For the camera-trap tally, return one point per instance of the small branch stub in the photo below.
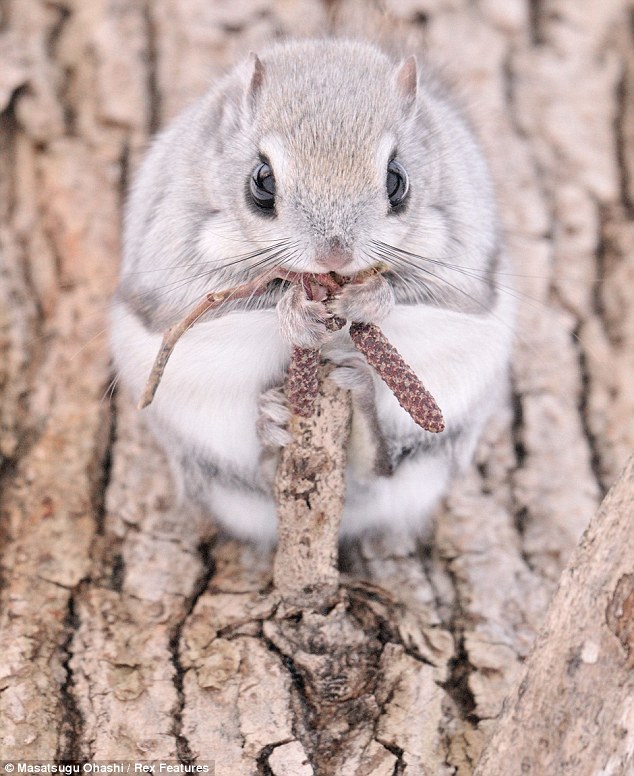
(310, 493)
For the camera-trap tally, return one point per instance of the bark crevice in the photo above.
(183, 749)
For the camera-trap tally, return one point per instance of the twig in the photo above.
(303, 383)
(211, 301)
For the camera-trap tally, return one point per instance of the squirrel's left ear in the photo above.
(407, 79)
(257, 77)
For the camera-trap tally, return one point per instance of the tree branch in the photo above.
(310, 492)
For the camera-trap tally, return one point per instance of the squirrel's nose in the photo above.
(334, 257)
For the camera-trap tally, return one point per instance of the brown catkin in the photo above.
(401, 380)
(302, 380)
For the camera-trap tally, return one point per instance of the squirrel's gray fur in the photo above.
(328, 115)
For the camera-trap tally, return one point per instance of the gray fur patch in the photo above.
(401, 450)
(200, 474)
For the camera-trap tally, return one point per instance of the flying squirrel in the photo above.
(315, 156)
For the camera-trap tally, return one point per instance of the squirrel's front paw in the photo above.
(302, 321)
(352, 373)
(369, 451)
(367, 302)
(273, 417)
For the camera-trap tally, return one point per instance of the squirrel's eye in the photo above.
(262, 186)
(397, 183)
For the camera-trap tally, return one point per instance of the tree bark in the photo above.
(576, 697)
(132, 630)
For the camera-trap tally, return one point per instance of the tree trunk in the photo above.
(131, 630)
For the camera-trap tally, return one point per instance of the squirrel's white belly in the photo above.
(207, 395)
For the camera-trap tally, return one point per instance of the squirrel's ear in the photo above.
(257, 77)
(407, 79)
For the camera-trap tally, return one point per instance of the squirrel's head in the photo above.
(317, 137)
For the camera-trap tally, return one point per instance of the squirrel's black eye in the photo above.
(262, 186)
(397, 183)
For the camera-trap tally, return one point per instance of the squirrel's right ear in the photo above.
(257, 78)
